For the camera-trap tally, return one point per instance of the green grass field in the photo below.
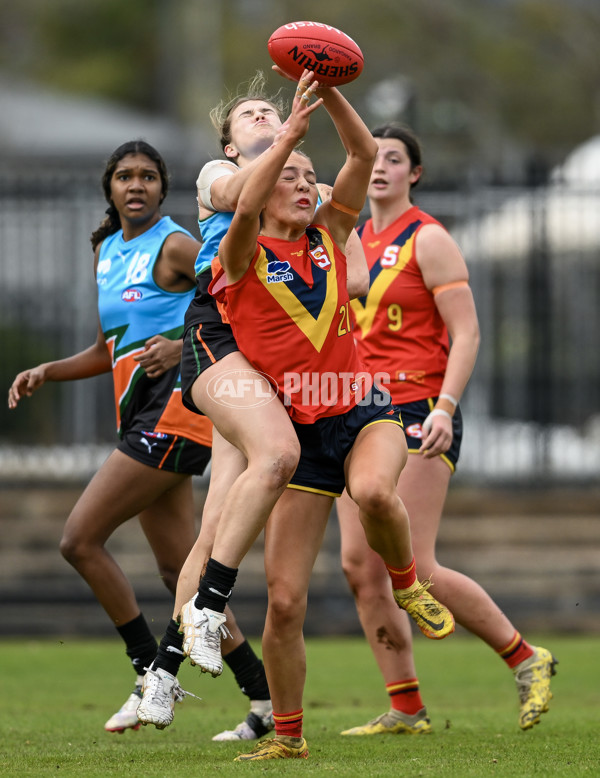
(56, 695)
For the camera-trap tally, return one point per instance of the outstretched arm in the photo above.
(239, 244)
(350, 188)
(220, 182)
(90, 362)
(85, 364)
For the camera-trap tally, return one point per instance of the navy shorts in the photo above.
(206, 339)
(165, 452)
(325, 444)
(413, 416)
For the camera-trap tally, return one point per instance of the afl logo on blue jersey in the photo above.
(131, 296)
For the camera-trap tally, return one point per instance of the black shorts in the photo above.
(325, 444)
(413, 416)
(206, 339)
(165, 452)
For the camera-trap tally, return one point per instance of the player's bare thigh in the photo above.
(423, 487)
(243, 406)
(121, 489)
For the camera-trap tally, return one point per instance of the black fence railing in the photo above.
(532, 408)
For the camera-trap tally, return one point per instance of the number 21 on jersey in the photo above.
(344, 325)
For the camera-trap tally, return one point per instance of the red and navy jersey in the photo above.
(291, 319)
(398, 329)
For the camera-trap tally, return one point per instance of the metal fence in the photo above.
(532, 408)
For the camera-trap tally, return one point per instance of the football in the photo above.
(333, 56)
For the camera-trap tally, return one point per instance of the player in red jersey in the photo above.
(419, 295)
(285, 295)
(248, 124)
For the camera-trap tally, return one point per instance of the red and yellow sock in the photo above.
(516, 651)
(404, 577)
(288, 724)
(405, 696)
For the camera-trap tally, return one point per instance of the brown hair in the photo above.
(255, 89)
(406, 136)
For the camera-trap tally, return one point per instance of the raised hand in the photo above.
(296, 125)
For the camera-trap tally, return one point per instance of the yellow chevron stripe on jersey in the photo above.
(366, 307)
(314, 328)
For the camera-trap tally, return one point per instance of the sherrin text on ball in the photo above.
(332, 55)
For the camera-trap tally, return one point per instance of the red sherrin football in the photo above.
(333, 56)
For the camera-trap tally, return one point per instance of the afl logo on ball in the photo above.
(131, 295)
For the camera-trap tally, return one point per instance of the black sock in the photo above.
(140, 643)
(215, 586)
(249, 672)
(255, 722)
(170, 651)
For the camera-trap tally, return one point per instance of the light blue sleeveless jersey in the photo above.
(132, 307)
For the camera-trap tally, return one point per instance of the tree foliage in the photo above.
(488, 84)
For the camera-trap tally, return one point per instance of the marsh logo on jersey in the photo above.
(278, 272)
(131, 296)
